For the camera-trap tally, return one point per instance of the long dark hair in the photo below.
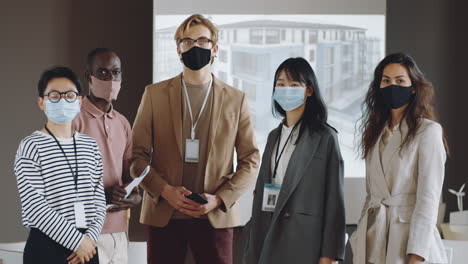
(376, 114)
(315, 112)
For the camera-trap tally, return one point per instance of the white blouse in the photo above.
(287, 153)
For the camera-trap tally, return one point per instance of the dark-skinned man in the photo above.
(113, 134)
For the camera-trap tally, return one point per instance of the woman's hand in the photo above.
(84, 253)
(327, 260)
(414, 259)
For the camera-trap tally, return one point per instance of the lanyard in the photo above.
(194, 125)
(278, 158)
(74, 173)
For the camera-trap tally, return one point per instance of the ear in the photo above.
(309, 91)
(41, 103)
(215, 50)
(88, 76)
(214, 53)
(179, 52)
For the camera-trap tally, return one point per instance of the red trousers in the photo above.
(168, 245)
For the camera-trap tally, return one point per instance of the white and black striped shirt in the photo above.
(47, 187)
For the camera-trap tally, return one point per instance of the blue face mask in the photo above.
(62, 112)
(289, 98)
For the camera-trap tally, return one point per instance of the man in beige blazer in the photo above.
(187, 129)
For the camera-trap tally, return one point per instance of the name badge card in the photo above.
(192, 148)
(80, 218)
(270, 197)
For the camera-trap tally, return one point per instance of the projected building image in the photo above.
(250, 50)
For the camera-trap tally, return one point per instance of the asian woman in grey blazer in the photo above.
(405, 154)
(298, 209)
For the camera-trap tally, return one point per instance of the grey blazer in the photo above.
(309, 221)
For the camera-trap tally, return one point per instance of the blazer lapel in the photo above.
(377, 156)
(301, 157)
(378, 176)
(175, 97)
(265, 170)
(389, 151)
(393, 146)
(218, 99)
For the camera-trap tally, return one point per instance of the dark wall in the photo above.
(433, 33)
(127, 27)
(31, 39)
(38, 34)
(454, 87)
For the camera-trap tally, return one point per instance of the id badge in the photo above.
(270, 197)
(192, 148)
(80, 218)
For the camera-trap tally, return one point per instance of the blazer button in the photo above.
(286, 215)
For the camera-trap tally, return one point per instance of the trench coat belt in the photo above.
(378, 233)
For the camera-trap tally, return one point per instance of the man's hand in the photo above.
(176, 197)
(214, 202)
(327, 260)
(118, 193)
(114, 193)
(84, 253)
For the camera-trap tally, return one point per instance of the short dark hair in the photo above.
(315, 114)
(92, 54)
(57, 72)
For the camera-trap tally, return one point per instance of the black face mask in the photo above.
(396, 96)
(196, 58)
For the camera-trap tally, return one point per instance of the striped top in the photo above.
(47, 187)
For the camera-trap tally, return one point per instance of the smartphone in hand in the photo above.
(198, 198)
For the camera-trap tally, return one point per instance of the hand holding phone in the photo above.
(196, 197)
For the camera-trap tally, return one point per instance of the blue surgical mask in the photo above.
(62, 112)
(289, 98)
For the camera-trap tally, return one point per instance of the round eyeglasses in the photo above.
(55, 96)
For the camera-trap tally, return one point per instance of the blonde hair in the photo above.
(194, 20)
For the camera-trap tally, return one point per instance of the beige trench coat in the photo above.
(403, 191)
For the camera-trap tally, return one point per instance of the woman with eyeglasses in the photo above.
(298, 208)
(59, 177)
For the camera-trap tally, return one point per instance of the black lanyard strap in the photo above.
(74, 173)
(278, 158)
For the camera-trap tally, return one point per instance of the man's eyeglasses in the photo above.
(202, 42)
(69, 96)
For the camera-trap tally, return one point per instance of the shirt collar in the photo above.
(89, 107)
(288, 130)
